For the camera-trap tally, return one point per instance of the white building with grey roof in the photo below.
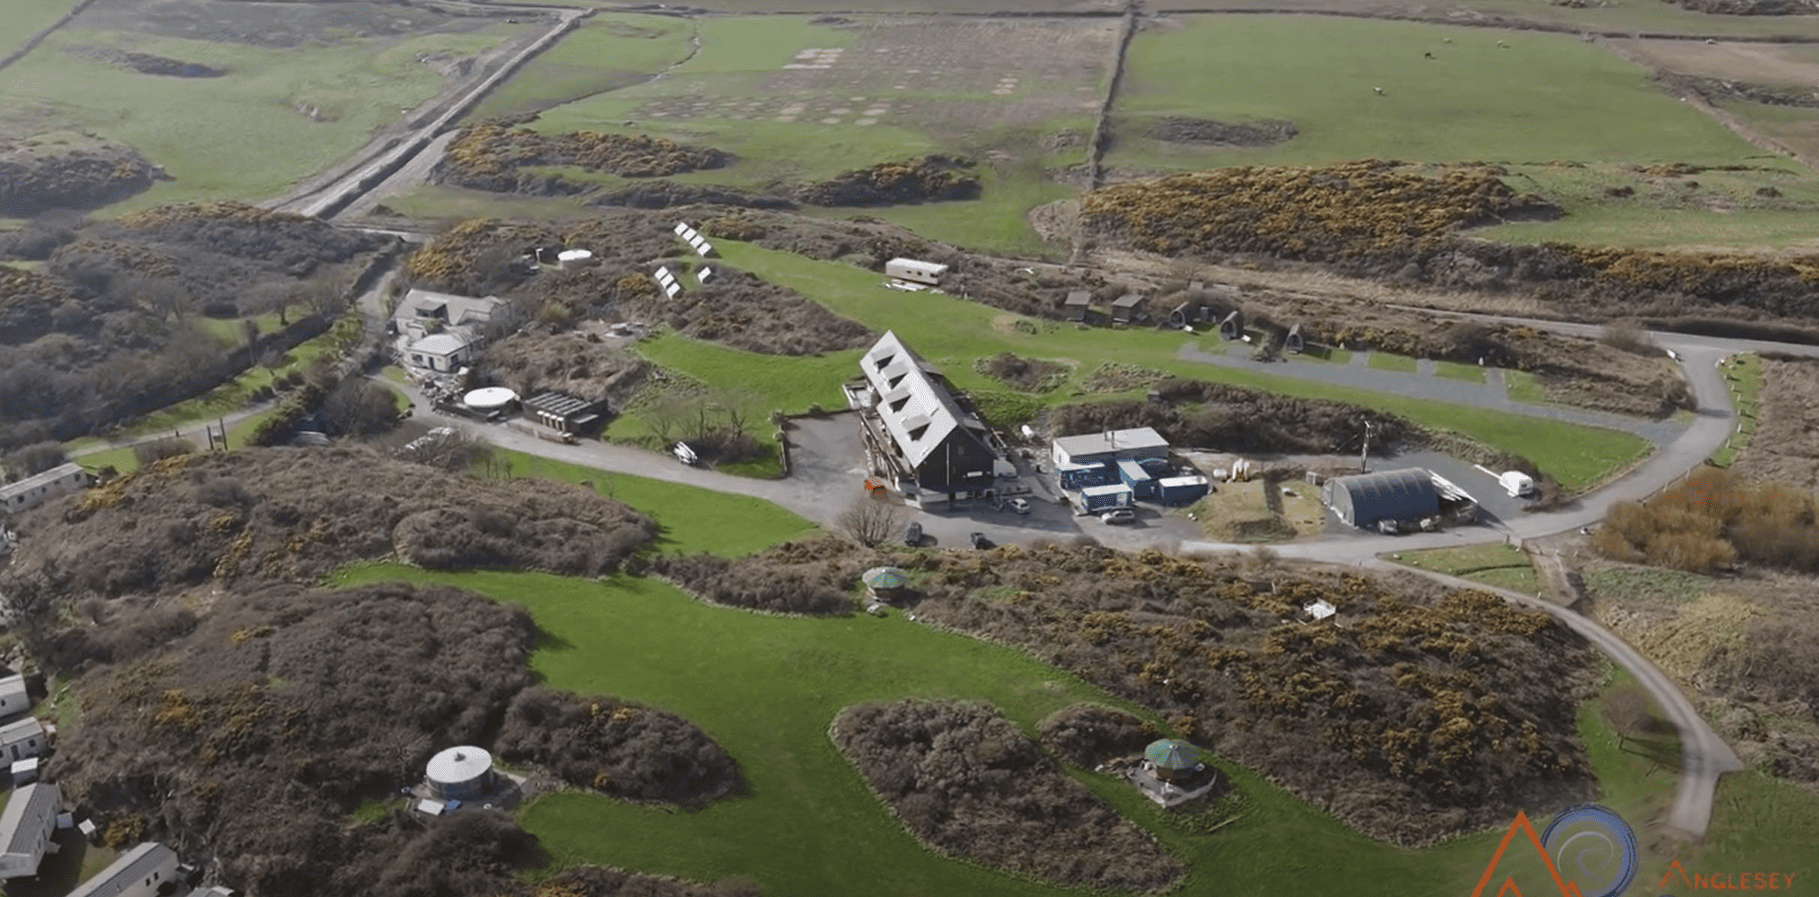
(26, 827)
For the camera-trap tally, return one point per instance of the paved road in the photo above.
(1703, 755)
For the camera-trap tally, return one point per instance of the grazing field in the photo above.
(605, 52)
(798, 102)
(766, 689)
(952, 333)
(25, 18)
(275, 117)
(1541, 98)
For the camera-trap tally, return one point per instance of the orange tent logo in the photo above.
(1508, 888)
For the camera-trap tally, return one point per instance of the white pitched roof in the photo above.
(439, 344)
(917, 410)
(461, 309)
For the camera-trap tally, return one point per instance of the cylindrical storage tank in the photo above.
(460, 773)
(570, 259)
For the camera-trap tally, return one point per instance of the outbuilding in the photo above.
(1109, 446)
(1077, 304)
(564, 412)
(1128, 308)
(915, 271)
(459, 773)
(1397, 498)
(443, 353)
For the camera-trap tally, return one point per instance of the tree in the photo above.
(359, 407)
(871, 520)
(666, 414)
(742, 406)
(249, 331)
(35, 458)
(1628, 336)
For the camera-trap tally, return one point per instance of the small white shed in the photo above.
(915, 271)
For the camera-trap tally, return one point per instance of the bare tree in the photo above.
(249, 330)
(666, 414)
(742, 406)
(1628, 336)
(871, 520)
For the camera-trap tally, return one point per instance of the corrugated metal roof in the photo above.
(439, 344)
(1390, 495)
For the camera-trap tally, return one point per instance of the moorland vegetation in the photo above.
(118, 324)
(61, 171)
(1712, 521)
(967, 782)
(251, 738)
(492, 155)
(260, 516)
(1385, 220)
(1429, 713)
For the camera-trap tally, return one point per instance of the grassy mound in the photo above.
(262, 515)
(924, 179)
(966, 782)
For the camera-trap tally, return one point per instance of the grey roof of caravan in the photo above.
(20, 728)
(131, 866)
(34, 801)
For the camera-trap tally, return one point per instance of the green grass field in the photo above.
(1521, 386)
(703, 101)
(1743, 376)
(953, 332)
(25, 18)
(603, 53)
(240, 136)
(1494, 564)
(767, 687)
(1544, 97)
(1385, 361)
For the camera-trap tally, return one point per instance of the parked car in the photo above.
(980, 541)
(913, 536)
(1119, 515)
(1020, 505)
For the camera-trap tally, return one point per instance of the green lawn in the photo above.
(232, 331)
(767, 687)
(1322, 353)
(1494, 564)
(692, 520)
(258, 142)
(953, 333)
(1541, 98)
(1454, 370)
(1743, 375)
(603, 53)
(1385, 361)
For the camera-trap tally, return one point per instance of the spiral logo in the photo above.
(1594, 848)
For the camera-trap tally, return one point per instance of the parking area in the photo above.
(827, 459)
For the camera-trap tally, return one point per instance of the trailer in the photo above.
(1181, 490)
(1132, 474)
(915, 271)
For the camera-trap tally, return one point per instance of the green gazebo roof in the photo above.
(885, 578)
(1172, 753)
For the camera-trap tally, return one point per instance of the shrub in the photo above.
(620, 749)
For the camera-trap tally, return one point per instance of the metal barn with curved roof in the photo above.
(1368, 499)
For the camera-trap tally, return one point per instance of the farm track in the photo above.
(1676, 84)
(31, 43)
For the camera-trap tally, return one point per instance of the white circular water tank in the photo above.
(574, 258)
(489, 398)
(460, 773)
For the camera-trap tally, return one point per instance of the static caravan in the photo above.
(915, 271)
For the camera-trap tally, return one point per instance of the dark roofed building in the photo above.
(1370, 499)
(1077, 304)
(918, 425)
(1127, 308)
(565, 413)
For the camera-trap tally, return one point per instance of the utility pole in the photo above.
(1364, 454)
